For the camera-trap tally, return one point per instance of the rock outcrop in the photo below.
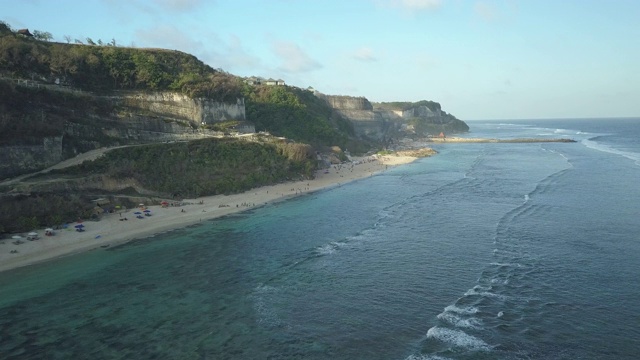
(382, 123)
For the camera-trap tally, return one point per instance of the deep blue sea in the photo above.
(484, 251)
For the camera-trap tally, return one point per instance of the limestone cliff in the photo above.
(180, 106)
(385, 121)
(43, 124)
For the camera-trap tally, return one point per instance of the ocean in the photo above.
(484, 251)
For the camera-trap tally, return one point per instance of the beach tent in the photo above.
(48, 232)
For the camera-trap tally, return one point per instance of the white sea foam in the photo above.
(426, 357)
(511, 124)
(457, 321)
(501, 314)
(477, 290)
(457, 338)
(500, 281)
(608, 149)
(506, 264)
(465, 310)
(326, 249)
(330, 248)
(526, 197)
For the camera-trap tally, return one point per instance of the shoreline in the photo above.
(489, 140)
(111, 231)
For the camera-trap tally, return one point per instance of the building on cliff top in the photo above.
(254, 80)
(25, 32)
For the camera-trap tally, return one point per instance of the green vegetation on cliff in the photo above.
(284, 111)
(27, 115)
(105, 68)
(299, 115)
(177, 170)
(202, 167)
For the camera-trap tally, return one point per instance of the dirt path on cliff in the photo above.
(78, 159)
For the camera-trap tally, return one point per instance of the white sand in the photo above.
(110, 230)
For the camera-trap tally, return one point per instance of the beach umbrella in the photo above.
(33, 233)
(17, 237)
(137, 213)
(147, 211)
(48, 229)
(79, 226)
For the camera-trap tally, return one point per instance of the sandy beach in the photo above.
(111, 230)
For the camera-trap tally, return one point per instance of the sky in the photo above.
(480, 59)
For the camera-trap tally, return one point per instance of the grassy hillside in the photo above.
(202, 167)
(178, 170)
(298, 114)
(106, 67)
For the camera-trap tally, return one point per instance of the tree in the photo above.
(5, 28)
(90, 42)
(100, 42)
(42, 35)
(113, 42)
(78, 41)
(67, 38)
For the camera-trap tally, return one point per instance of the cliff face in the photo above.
(380, 123)
(347, 102)
(30, 157)
(78, 121)
(180, 106)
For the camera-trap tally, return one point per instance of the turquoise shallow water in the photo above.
(485, 251)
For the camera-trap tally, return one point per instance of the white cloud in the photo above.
(237, 57)
(169, 37)
(293, 58)
(415, 5)
(364, 54)
(179, 5)
(210, 48)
